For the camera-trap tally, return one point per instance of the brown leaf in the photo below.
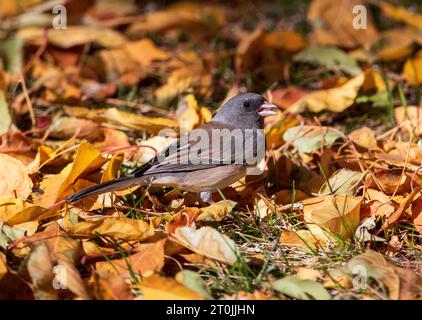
(123, 118)
(149, 258)
(160, 288)
(401, 283)
(73, 36)
(332, 24)
(332, 215)
(118, 228)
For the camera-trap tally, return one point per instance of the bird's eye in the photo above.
(246, 104)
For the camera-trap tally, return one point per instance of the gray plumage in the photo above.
(172, 166)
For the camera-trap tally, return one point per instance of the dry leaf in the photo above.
(401, 283)
(208, 242)
(217, 211)
(123, 118)
(335, 99)
(160, 288)
(14, 178)
(412, 70)
(333, 20)
(120, 228)
(147, 259)
(409, 117)
(364, 137)
(73, 36)
(329, 216)
(400, 14)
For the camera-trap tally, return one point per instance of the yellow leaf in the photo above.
(112, 168)
(332, 23)
(150, 52)
(123, 118)
(187, 113)
(17, 211)
(401, 14)
(217, 211)
(87, 160)
(160, 288)
(73, 36)
(335, 99)
(14, 178)
(148, 258)
(412, 70)
(3, 265)
(13, 7)
(181, 14)
(301, 238)
(209, 242)
(328, 217)
(119, 228)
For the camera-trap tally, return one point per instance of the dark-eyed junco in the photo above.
(209, 158)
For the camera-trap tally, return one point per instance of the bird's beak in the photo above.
(267, 109)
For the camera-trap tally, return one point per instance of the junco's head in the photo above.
(245, 111)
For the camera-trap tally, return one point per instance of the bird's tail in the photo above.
(108, 186)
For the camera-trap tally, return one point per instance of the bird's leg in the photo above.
(206, 197)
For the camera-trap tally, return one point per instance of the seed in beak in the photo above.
(267, 109)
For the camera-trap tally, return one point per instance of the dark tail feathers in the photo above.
(108, 186)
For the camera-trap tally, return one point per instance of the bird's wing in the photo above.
(193, 153)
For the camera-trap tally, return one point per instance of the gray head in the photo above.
(245, 111)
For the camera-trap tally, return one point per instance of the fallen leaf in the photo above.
(184, 218)
(6, 119)
(193, 281)
(409, 117)
(66, 127)
(335, 99)
(287, 40)
(400, 283)
(147, 259)
(119, 228)
(308, 274)
(329, 216)
(185, 14)
(308, 139)
(412, 70)
(301, 289)
(9, 234)
(343, 182)
(217, 211)
(3, 265)
(111, 287)
(87, 160)
(73, 36)
(160, 288)
(301, 238)
(400, 14)
(14, 178)
(332, 23)
(209, 242)
(123, 118)
(329, 57)
(364, 137)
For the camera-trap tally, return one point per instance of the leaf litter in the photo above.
(337, 213)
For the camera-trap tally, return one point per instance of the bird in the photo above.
(204, 170)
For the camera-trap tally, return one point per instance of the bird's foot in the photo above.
(206, 197)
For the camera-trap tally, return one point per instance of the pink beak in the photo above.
(267, 109)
